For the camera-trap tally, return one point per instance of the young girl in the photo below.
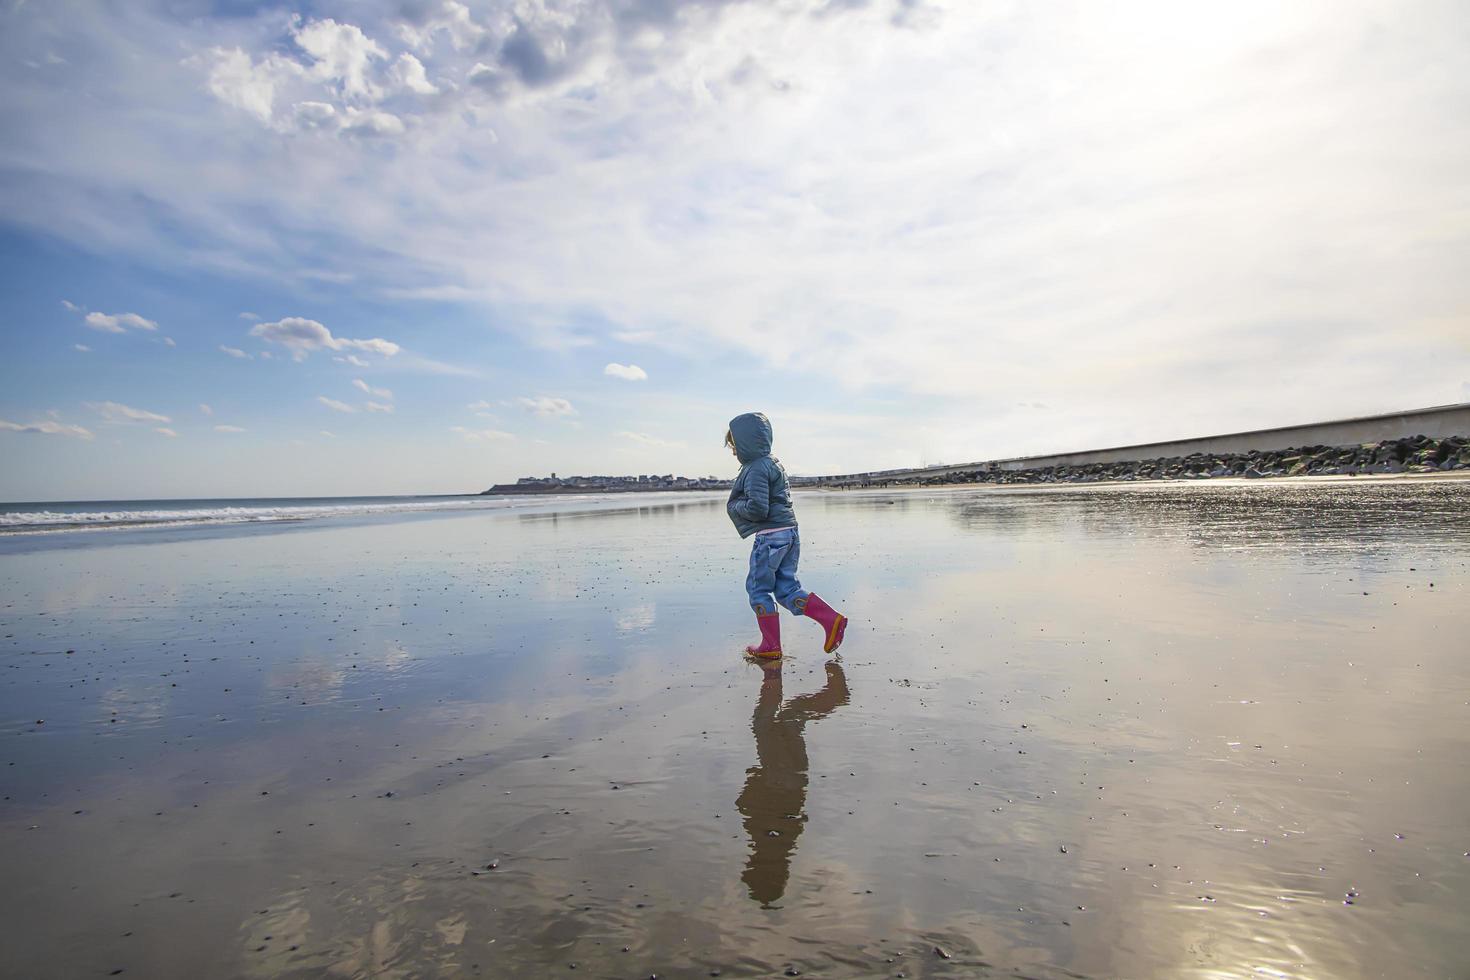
(760, 504)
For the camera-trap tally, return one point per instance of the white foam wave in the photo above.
(50, 521)
(54, 520)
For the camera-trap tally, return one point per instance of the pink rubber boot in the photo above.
(832, 621)
(770, 646)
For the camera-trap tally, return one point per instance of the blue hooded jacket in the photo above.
(761, 497)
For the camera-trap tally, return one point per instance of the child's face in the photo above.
(730, 443)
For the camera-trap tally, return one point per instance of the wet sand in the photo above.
(1211, 730)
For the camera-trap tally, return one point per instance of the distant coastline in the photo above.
(1414, 454)
(1424, 440)
(605, 484)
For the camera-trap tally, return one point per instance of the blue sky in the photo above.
(357, 247)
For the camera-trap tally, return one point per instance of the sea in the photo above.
(44, 517)
(1207, 730)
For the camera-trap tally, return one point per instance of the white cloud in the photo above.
(371, 123)
(250, 316)
(628, 372)
(235, 352)
(408, 74)
(49, 427)
(237, 80)
(352, 359)
(228, 428)
(334, 84)
(453, 19)
(487, 77)
(547, 407)
(635, 336)
(482, 435)
(1113, 224)
(205, 409)
(118, 322)
(334, 404)
(82, 347)
(650, 442)
(378, 407)
(329, 435)
(343, 56)
(315, 115)
(479, 406)
(98, 321)
(165, 431)
(362, 385)
(302, 336)
(168, 342)
(118, 413)
(69, 305)
(428, 365)
(326, 275)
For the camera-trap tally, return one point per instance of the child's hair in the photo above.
(729, 439)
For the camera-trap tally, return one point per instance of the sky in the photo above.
(364, 247)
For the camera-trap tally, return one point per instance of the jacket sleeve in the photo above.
(756, 503)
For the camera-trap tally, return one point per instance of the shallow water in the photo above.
(70, 517)
(1212, 730)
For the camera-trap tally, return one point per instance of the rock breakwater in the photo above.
(1414, 454)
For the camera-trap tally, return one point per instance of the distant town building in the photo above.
(608, 484)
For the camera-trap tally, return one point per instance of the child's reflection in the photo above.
(775, 788)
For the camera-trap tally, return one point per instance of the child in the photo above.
(760, 504)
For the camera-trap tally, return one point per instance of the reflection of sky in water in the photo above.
(1185, 688)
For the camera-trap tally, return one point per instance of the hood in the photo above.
(752, 432)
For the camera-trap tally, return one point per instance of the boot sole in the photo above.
(762, 654)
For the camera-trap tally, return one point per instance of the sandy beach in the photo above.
(1205, 730)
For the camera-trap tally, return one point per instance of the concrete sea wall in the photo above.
(1445, 422)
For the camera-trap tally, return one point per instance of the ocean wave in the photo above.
(76, 520)
(64, 518)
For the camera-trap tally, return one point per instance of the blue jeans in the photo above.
(773, 559)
